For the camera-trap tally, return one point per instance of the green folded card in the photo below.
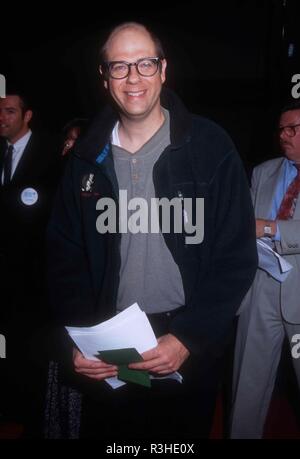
(122, 358)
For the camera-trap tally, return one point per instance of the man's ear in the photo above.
(163, 70)
(28, 116)
(102, 75)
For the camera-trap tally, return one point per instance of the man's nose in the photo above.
(133, 74)
(282, 134)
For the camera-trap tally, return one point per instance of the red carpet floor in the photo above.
(282, 422)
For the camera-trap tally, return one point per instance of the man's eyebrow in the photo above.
(290, 124)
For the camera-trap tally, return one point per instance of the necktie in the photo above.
(288, 204)
(7, 165)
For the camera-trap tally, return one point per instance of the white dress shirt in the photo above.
(18, 151)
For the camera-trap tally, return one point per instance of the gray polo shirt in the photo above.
(148, 274)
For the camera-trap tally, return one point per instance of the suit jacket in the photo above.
(264, 181)
(23, 225)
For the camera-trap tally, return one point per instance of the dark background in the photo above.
(231, 61)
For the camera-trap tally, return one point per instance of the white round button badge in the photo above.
(29, 196)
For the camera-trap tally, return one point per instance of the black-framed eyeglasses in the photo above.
(290, 130)
(146, 66)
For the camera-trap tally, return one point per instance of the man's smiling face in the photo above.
(136, 96)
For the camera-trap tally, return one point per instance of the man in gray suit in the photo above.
(271, 309)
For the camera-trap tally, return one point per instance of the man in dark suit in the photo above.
(28, 178)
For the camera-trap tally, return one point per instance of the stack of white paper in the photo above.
(128, 329)
(269, 260)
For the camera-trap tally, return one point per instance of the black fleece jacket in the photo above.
(202, 162)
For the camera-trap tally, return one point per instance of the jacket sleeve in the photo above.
(69, 284)
(206, 322)
(254, 184)
(289, 243)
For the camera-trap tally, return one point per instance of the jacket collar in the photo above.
(94, 146)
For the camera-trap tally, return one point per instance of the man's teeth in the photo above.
(139, 93)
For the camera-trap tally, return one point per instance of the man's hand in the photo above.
(91, 368)
(166, 357)
(260, 225)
